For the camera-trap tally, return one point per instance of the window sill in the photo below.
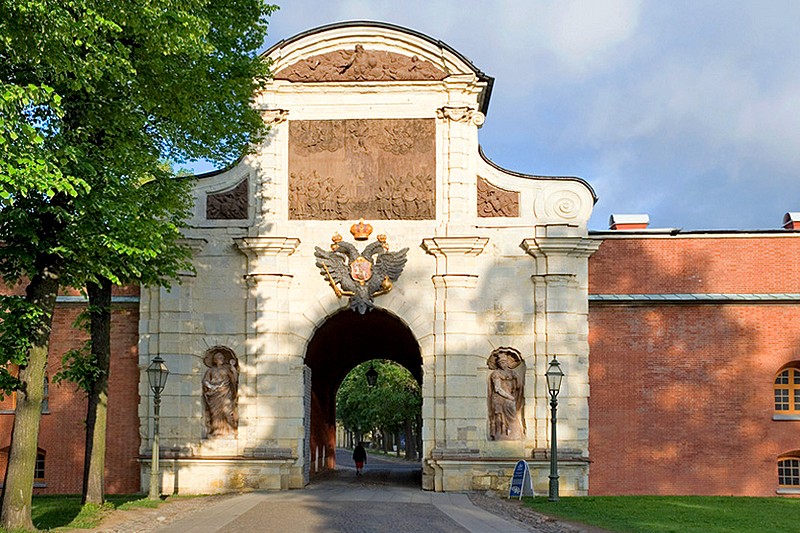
(36, 485)
(786, 417)
(788, 491)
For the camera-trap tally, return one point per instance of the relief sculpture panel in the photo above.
(380, 169)
(496, 202)
(228, 205)
(360, 64)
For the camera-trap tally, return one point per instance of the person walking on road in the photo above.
(359, 457)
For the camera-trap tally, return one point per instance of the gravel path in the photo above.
(530, 519)
(143, 520)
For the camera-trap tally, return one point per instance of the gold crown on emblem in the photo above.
(361, 231)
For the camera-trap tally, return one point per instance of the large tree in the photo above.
(391, 406)
(106, 92)
(129, 235)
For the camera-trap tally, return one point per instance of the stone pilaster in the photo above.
(271, 169)
(267, 317)
(455, 340)
(561, 327)
(458, 141)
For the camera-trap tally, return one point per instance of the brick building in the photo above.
(689, 332)
(59, 468)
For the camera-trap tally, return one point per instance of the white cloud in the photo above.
(582, 33)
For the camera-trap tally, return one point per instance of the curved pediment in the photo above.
(361, 64)
(364, 51)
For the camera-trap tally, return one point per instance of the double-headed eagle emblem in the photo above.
(356, 274)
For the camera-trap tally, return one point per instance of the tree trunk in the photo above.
(18, 483)
(411, 449)
(97, 410)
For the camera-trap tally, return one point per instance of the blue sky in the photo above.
(688, 111)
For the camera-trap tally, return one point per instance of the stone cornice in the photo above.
(695, 298)
(267, 246)
(196, 245)
(455, 281)
(570, 246)
(454, 246)
(253, 280)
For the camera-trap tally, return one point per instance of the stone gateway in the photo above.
(476, 277)
(372, 126)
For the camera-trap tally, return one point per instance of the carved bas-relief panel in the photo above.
(380, 169)
(228, 205)
(496, 202)
(361, 65)
(506, 394)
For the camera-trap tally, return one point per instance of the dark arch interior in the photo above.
(345, 340)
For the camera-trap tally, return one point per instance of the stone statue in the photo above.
(220, 391)
(506, 394)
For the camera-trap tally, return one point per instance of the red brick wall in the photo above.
(696, 265)
(62, 431)
(681, 395)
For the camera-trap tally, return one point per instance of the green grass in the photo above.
(64, 512)
(677, 514)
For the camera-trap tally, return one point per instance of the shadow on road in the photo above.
(379, 470)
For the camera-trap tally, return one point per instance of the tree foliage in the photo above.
(94, 97)
(395, 398)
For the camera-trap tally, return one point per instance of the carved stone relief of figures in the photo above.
(228, 205)
(506, 394)
(360, 64)
(371, 168)
(496, 202)
(318, 135)
(221, 392)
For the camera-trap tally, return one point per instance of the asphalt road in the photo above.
(387, 498)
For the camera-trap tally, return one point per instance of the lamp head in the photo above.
(157, 374)
(372, 376)
(554, 376)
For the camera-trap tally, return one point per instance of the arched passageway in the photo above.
(345, 340)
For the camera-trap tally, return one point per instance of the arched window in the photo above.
(787, 390)
(789, 473)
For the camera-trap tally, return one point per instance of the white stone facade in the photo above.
(471, 284)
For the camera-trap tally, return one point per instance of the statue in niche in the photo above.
(220, 392)
(506, 394)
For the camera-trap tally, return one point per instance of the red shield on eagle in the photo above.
(361, 270)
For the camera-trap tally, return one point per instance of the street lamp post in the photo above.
(372, 376)
(554, 376)
(157, 374)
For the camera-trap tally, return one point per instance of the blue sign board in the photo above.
(521, 482)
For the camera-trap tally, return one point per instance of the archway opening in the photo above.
(345, 340)
(379, 404)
